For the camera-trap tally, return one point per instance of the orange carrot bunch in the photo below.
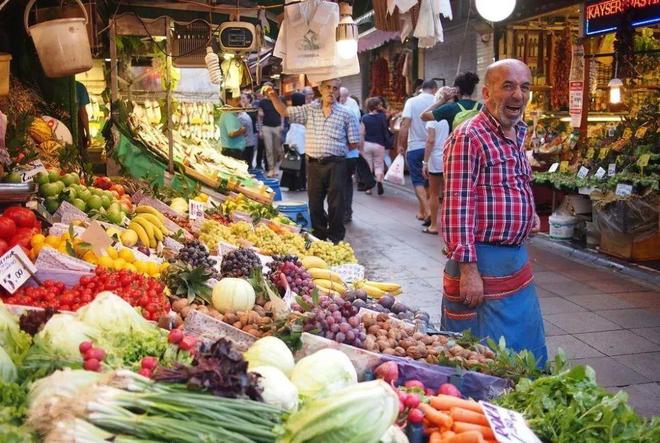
(449, 419)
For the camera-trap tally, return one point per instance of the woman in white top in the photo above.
(295, 138)
(436, 134)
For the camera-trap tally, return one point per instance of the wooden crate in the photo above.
(630, 247)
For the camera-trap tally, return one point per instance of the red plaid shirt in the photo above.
(488, 197)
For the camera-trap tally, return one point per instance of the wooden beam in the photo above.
(129, 24)
(114, 81)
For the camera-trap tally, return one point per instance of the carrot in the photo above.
(435, 437)
(446, 402)
(438, 418)
(467, 416)
(447, 435)
(430, 430)
(465, 427)
(467, 437)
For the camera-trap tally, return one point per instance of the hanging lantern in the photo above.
(495, 11)
(347, 33)
(616, 87)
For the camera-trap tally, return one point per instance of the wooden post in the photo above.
(586, 96)
(168, 76)
(114, 80)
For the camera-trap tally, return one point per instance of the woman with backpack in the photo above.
(458, 106)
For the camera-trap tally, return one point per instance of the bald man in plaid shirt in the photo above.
(487, 215)
(330, 131)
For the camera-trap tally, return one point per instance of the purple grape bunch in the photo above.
(336, 319)
(289, 271)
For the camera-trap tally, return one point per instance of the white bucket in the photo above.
(5, 59)
(562, 226)
(62, 44)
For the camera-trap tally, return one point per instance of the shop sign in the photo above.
(604, 16)
(575, 100)
(507, 425)
(15, 269)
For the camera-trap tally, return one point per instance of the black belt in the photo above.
(325, 160)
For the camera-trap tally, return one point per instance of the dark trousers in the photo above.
(262, 162)
(295, 180)
(233, 153)
(351, 164)
(248, 154)
(327, 178)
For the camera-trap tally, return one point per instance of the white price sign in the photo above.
(582, 173)
(196, 210)
(33, 169)
(507, 425)
(15, 269)
(623, 189)
(553, 167)
(611, 169)
(600, 173)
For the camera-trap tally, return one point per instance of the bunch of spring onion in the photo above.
(135, 409)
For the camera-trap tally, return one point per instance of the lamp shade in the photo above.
(495, 10)
(347, 37)
(615, 85)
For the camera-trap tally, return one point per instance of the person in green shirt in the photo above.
(232, 132)
(458, 101)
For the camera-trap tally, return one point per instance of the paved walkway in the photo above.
(596, 315)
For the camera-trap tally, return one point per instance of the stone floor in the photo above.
(596, 315)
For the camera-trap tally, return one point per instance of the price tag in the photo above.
(641, 132)
(553, 167)
(563, 166)
(591, 153)
(600, 173)
(611, 169)
(15, 269)
(196, 210)
(32, 169)
(507, 425)
(603, 153)
(623, 189)
(643, 160)
(97, 238)
(582, 173)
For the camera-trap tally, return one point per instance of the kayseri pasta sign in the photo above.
(604, 16)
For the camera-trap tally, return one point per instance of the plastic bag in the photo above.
(395, 172)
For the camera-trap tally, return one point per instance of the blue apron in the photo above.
(516, 316)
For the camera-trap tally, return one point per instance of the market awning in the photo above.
(374, 38)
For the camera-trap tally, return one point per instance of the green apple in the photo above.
(94, 202)
(13, 177)
(60, 185)
(115, 216)
(106, 201)
(78, 203)
(49, 190)
(53, 176)
(70, 195)
(68, 179)
(84, 194)
(76, 177)
(51, 204)
(41, 178)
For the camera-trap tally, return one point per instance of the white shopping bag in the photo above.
(395, 172)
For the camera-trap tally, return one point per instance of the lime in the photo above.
(41, 178)
(68, 179)
(94, 202)
(49, 190)
(80, 204)
(53, 176)
(51, 204)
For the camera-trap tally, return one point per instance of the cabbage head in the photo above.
(61, 336)
(14, 341)
(323, 372)
(277, 389)
(7, 368)
(270, 351)
(109, 312)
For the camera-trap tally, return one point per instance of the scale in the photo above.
(238, 37)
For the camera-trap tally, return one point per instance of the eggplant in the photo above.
(387, 301)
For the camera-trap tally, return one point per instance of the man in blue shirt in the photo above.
(232, 132)
(330, 132)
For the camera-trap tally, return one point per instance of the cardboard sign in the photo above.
(563, 166)
(582, 173)
(32, 169)
(15, 269)
(603, 153)
(643, 160)
(623, 189)
(553, 167)
(641, 132)
(196, 210)
(507, 425)
(600, 173)
(611, 169)
(95, 235)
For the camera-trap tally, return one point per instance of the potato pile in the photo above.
(393, 337)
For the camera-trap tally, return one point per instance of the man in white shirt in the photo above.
(412, 140)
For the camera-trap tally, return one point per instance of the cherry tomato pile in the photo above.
(138, 290)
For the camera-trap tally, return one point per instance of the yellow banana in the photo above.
(142, 234)
(325, 291)
(325, 274)
(373, 291)
(310, 262)
(158, 233)
(143, 209)
(328, 284)
(153, 220)
(149, 229)
(385, 286)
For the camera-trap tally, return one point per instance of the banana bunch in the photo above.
(148, 225)
(378, 289)
(310, 262)
(327, 281)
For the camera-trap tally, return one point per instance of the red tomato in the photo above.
(119, 189)
(23, 217)
(7, 227)
(4, 246)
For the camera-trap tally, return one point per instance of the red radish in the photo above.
(415, 416)
(149, 363)
(95, 353)
(175, 336)
(429, 392)
(414, 384)
(388, 371)
(402, 407)
(85, 346)
(449, 389)
(145, 372)
(92, 364)
(187, 342)
(412, 401)
(402, 396)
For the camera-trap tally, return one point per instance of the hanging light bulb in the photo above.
(495, 11)
(213, 65)
(347, 32)
(615, 85)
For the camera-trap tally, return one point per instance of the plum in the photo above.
(387, 301)
(398, 308)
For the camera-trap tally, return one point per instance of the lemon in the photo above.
(106, 262)
(65, 236)
(53, 240)
(112, 252)
(127, 255)
(164, 266)
(129, 238)
(152, 268)
(37, 248)
(141, 267)
(62, 248)
(131, 267)
(90, 257)
(37, 240)
(119, 264)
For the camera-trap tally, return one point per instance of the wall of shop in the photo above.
(358, 84)
(442, 60)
